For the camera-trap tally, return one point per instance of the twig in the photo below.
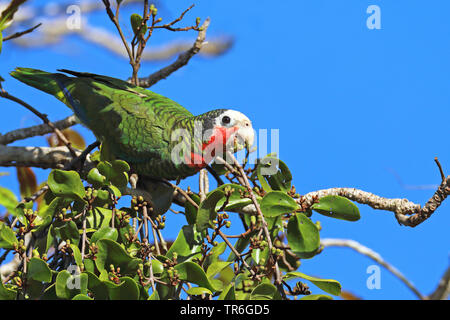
(215, 175)
(278, 275)
(43, 117)
(83, 239)
(236, 253)
(152, 277)
(182, 60)
(39, 130)
(201, 182)
(374, 256)
(441, 171)
(236, 173)
(182, 192)
(443, 289)
(146, 218)
(115, 20)
(19, 34)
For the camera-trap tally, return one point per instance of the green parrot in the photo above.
(155, 135)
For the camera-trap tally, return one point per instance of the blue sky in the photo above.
(355, 108)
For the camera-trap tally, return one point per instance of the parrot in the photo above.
(156, 136)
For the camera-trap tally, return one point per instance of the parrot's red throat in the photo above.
(216, 142)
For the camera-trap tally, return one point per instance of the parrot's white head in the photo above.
(239, 125)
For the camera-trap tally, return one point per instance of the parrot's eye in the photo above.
(226, 120)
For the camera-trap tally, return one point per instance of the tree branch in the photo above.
(42, 116)
(352, 244)
(182, 60)
(38, 157)
(39, 130)
(21, 33)
(443, 289)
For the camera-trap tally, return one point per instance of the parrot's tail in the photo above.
(51, 83)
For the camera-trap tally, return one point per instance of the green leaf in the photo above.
(273, 174)
(303, 236)
(7, 293)
(217, 251)
(316, 297)
(7, 237)
(187, 245)
(126, 290)
(50, 238)
(157, 266)
(111, 253)
(154, 296)
(68, 286)
(198, 291)
(54, 207)
(77, 255)
(9, 200)
(97, 287)
(115, 172)
(95, 178)
(235, 201)
(136, 22)
(81, 297)
(228, 293)
(327, 285)
(276, 203)
(120, 166)
(337, 207)
(207, 210)
(66, 184)
(192, 272)
(99, 217)
(265, 291)
(67, 231)
(190, 210)
(258, 255)
(19, 213)
(38, 270)
(215, 268)
(105, 232)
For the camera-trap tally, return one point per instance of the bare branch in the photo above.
(42, 116)
(39, 130)
(38, 157)
(352, 244)
(182, 60)
(443, 289)
(401, 207)
(21, 33)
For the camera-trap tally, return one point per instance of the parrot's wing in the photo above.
(136, 123)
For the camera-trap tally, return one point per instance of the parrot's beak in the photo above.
(244, 136)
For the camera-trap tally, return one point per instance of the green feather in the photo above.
(132, 123)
